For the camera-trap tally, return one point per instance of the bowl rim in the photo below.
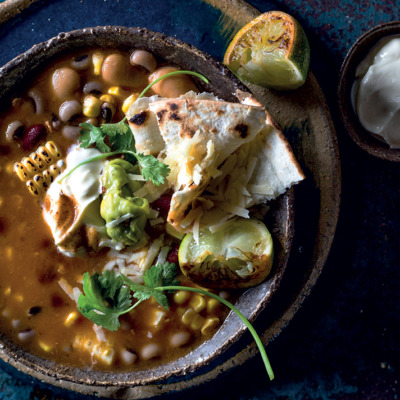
(66, 376)
(360, 48)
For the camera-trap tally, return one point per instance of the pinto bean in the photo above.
(143, 59)
(172, 87)
(65, 82)
(117, 70)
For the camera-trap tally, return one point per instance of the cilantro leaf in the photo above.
(142, 292)
(91, 134)
(152, 169)
(161, 275)
(105, 298)
(119, 136)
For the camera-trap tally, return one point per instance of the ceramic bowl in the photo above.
(356, 54)
(251, 302)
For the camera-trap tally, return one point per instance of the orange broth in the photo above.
(35, 312)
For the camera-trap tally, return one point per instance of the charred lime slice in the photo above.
(237, 255)
(271, 51)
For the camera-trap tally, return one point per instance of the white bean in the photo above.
(128, 357)
(68, 109)
(150, 351)
(26, 335)
(71, 132)
(180, 339)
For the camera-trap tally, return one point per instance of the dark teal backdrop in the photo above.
(344, 342)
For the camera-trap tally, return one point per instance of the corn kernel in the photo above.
(71, 318)
(180, 311)
(7, 292)
(198, 303)
(188, 317)
(9, 252)
(197, 322)
(212, 305)
(116, 91)
(45, 346)
(97, 59)
(108, 356)
(1, 201)
(209, 325)
(107, 98)
(181, 296)
(19, 298)
(157, 318)
(129, 101)
(91, 106)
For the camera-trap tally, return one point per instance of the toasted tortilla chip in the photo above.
(199, 135)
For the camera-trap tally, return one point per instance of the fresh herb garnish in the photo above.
(118, 135)
(113, 139)
(106, 297)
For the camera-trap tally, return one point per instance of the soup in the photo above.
(39, 284)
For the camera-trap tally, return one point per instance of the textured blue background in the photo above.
(344, 343)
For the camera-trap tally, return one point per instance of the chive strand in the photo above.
(172, 74)
(238, 313)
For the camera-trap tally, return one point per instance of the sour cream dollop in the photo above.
(376, 92)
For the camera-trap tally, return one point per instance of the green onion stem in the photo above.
(238, 313)
(99, 157)
(172, 74)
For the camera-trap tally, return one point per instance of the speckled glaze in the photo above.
(137, 384)
(356, 54)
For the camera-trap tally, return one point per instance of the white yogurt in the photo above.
(376, 92)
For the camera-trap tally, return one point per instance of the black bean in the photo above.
(35, 310)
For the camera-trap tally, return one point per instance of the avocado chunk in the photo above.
(125, 215)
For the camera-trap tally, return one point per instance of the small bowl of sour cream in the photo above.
(369, 91)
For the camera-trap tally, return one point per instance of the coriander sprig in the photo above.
(108, 296)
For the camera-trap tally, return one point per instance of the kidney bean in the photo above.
(172, 257)
(162, 204)
(33, 136)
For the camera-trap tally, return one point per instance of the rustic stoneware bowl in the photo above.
(280, 220)
(356, 54)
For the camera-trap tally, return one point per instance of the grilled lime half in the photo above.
(238, 254)
(270, 51)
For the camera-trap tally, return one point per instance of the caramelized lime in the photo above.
(270, 51)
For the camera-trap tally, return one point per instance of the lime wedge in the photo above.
(270, 51)
(238, 255)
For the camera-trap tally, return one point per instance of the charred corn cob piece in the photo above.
(40, 168)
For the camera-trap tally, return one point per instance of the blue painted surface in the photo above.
(344, 343)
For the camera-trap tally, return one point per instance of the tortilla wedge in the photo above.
(232, 150)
